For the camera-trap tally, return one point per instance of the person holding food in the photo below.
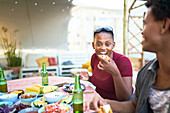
(152, 94)
(111, 71)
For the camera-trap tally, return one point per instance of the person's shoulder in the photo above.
(147, 65)
(118, 56)
(94, 55)
(145, 69)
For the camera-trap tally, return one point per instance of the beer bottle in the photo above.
(3, 82)
(44, 75)
(77, 96)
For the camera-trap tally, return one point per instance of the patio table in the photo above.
(18, 84)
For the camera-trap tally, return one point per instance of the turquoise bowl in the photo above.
(9, 97)
(30, 99)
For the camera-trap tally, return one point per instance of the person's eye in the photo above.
(107, 44)
(99, 44)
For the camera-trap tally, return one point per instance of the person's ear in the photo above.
(93, 45)
(114, 43)
(165, 25)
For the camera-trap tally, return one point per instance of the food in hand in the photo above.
(104, 109)
(104, 57)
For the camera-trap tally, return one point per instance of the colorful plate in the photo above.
(69, 87)
(42, 108)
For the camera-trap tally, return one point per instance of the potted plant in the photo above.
(12, 54)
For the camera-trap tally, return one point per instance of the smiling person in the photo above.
(112, 78)
(152, 94)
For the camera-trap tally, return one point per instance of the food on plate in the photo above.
(32, 89)
(57, 108)
(6, 109)
(16, 92)
(53, 97)
(104, 109)
(66, 99)
(104, 57)
(48, 89)
(13, 109)
(20, 106)
(27, 96)
(9, 97)
(38, 103)
(71, 88)
(41, 89)
(43, 99)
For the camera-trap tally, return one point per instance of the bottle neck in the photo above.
(44, 67)
(2, 73)
(77, 81)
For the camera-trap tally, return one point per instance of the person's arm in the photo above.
(84, 76)
(122, 107)
(123, 85)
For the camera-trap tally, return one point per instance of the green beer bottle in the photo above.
(77, 96)
(44, 75)
(3, 82)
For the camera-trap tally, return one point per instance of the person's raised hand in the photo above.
(108, 66)
(84, 75)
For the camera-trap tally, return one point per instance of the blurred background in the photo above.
(54, 27)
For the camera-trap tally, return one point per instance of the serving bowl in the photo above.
(9, 97)
(28, 110)
(28, 97)
(57, 107)
(54, 97)
(19, 92)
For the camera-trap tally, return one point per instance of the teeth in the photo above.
(104, 53)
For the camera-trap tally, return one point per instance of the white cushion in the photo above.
(30, 60)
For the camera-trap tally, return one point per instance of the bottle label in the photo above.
(3, 88)
(45, 81)
(3, 83)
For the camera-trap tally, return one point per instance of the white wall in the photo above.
(44, 25)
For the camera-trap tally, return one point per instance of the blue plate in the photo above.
(42, 108)
(6, 103)
(27, 110)
(67, 87)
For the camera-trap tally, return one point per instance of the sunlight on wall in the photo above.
(85, 19)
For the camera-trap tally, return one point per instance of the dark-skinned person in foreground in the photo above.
(114, 82)
(152, 94)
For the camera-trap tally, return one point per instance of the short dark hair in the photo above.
(160, 8)
(105, 29)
